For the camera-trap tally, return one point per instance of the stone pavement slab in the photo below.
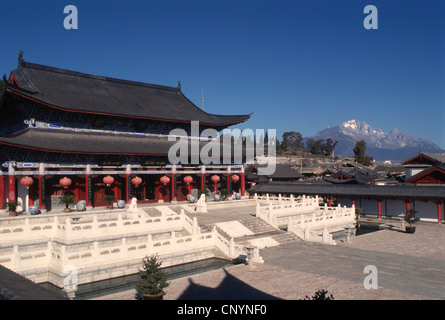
(409, 267)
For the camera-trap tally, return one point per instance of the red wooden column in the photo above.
(380, 208)
(2, 191)
(353, 202)
(127, 183)
(116, 191)
(173, 188)
(407, 205)
(189, 188)
(41, 178)
(243, 182)
(439, 211)
(203, 171)
(173, 185)
(76, 191)
(88, 187)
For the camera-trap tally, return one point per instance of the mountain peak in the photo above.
(351, 124)
(395, 145)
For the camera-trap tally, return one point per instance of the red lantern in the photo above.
(26, 181)
(65, 182)
(108, 180)
(188, 180)
(235, 178)
(215, 178)
(136, 181)
(165, 180)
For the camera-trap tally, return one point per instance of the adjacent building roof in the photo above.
(426, 158)
(282, 171)
(94, 143)
(349, 190)
(81, 92)
(432, 174)
(354, 175)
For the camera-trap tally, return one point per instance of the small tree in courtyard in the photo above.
(152, 279)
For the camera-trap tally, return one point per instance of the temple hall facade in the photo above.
(63, 131)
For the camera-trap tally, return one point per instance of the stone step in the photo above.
(257, 225)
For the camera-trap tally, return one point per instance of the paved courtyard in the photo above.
(409, 266)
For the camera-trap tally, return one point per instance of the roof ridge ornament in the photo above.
(20, 57)
(179, 85)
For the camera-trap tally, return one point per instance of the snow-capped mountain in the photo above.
(395, 145)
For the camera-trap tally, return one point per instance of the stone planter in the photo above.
(81, 205)
(159, 296)
(410, 229)
(192, 199)
(34, 210)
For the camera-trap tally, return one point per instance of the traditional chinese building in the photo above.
(425, 168)
(65, 131)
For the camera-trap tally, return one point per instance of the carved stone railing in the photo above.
(93, 242)
(319, 225)
(304, 216)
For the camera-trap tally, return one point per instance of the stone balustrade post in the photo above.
(149, 242)
(196, 228)
(15, 257)
(119, 222)
(124, 248)
(95, 225)
(96, 253)
(27, 229)
(68, 228)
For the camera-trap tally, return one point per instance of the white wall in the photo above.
(426, 210)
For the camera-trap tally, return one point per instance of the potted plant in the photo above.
(109, 199)
(152, 279)
(225, 193)
(410, 217)
(67, 200)
(12, 206)
(358, 212)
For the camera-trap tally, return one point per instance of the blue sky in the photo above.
(297, 65)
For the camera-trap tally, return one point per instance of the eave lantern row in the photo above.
(65, 182)
(26, 182)
(165, 180)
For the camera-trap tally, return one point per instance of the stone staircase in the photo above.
(264, 235)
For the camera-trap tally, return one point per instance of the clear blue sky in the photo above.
(297, 65)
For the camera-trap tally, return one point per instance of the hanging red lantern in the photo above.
(235, 178)
(26, 181)
(136, 181)
(65, 182)
(165, 180)
(215, 178)
(108, 180)
(188, 180)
